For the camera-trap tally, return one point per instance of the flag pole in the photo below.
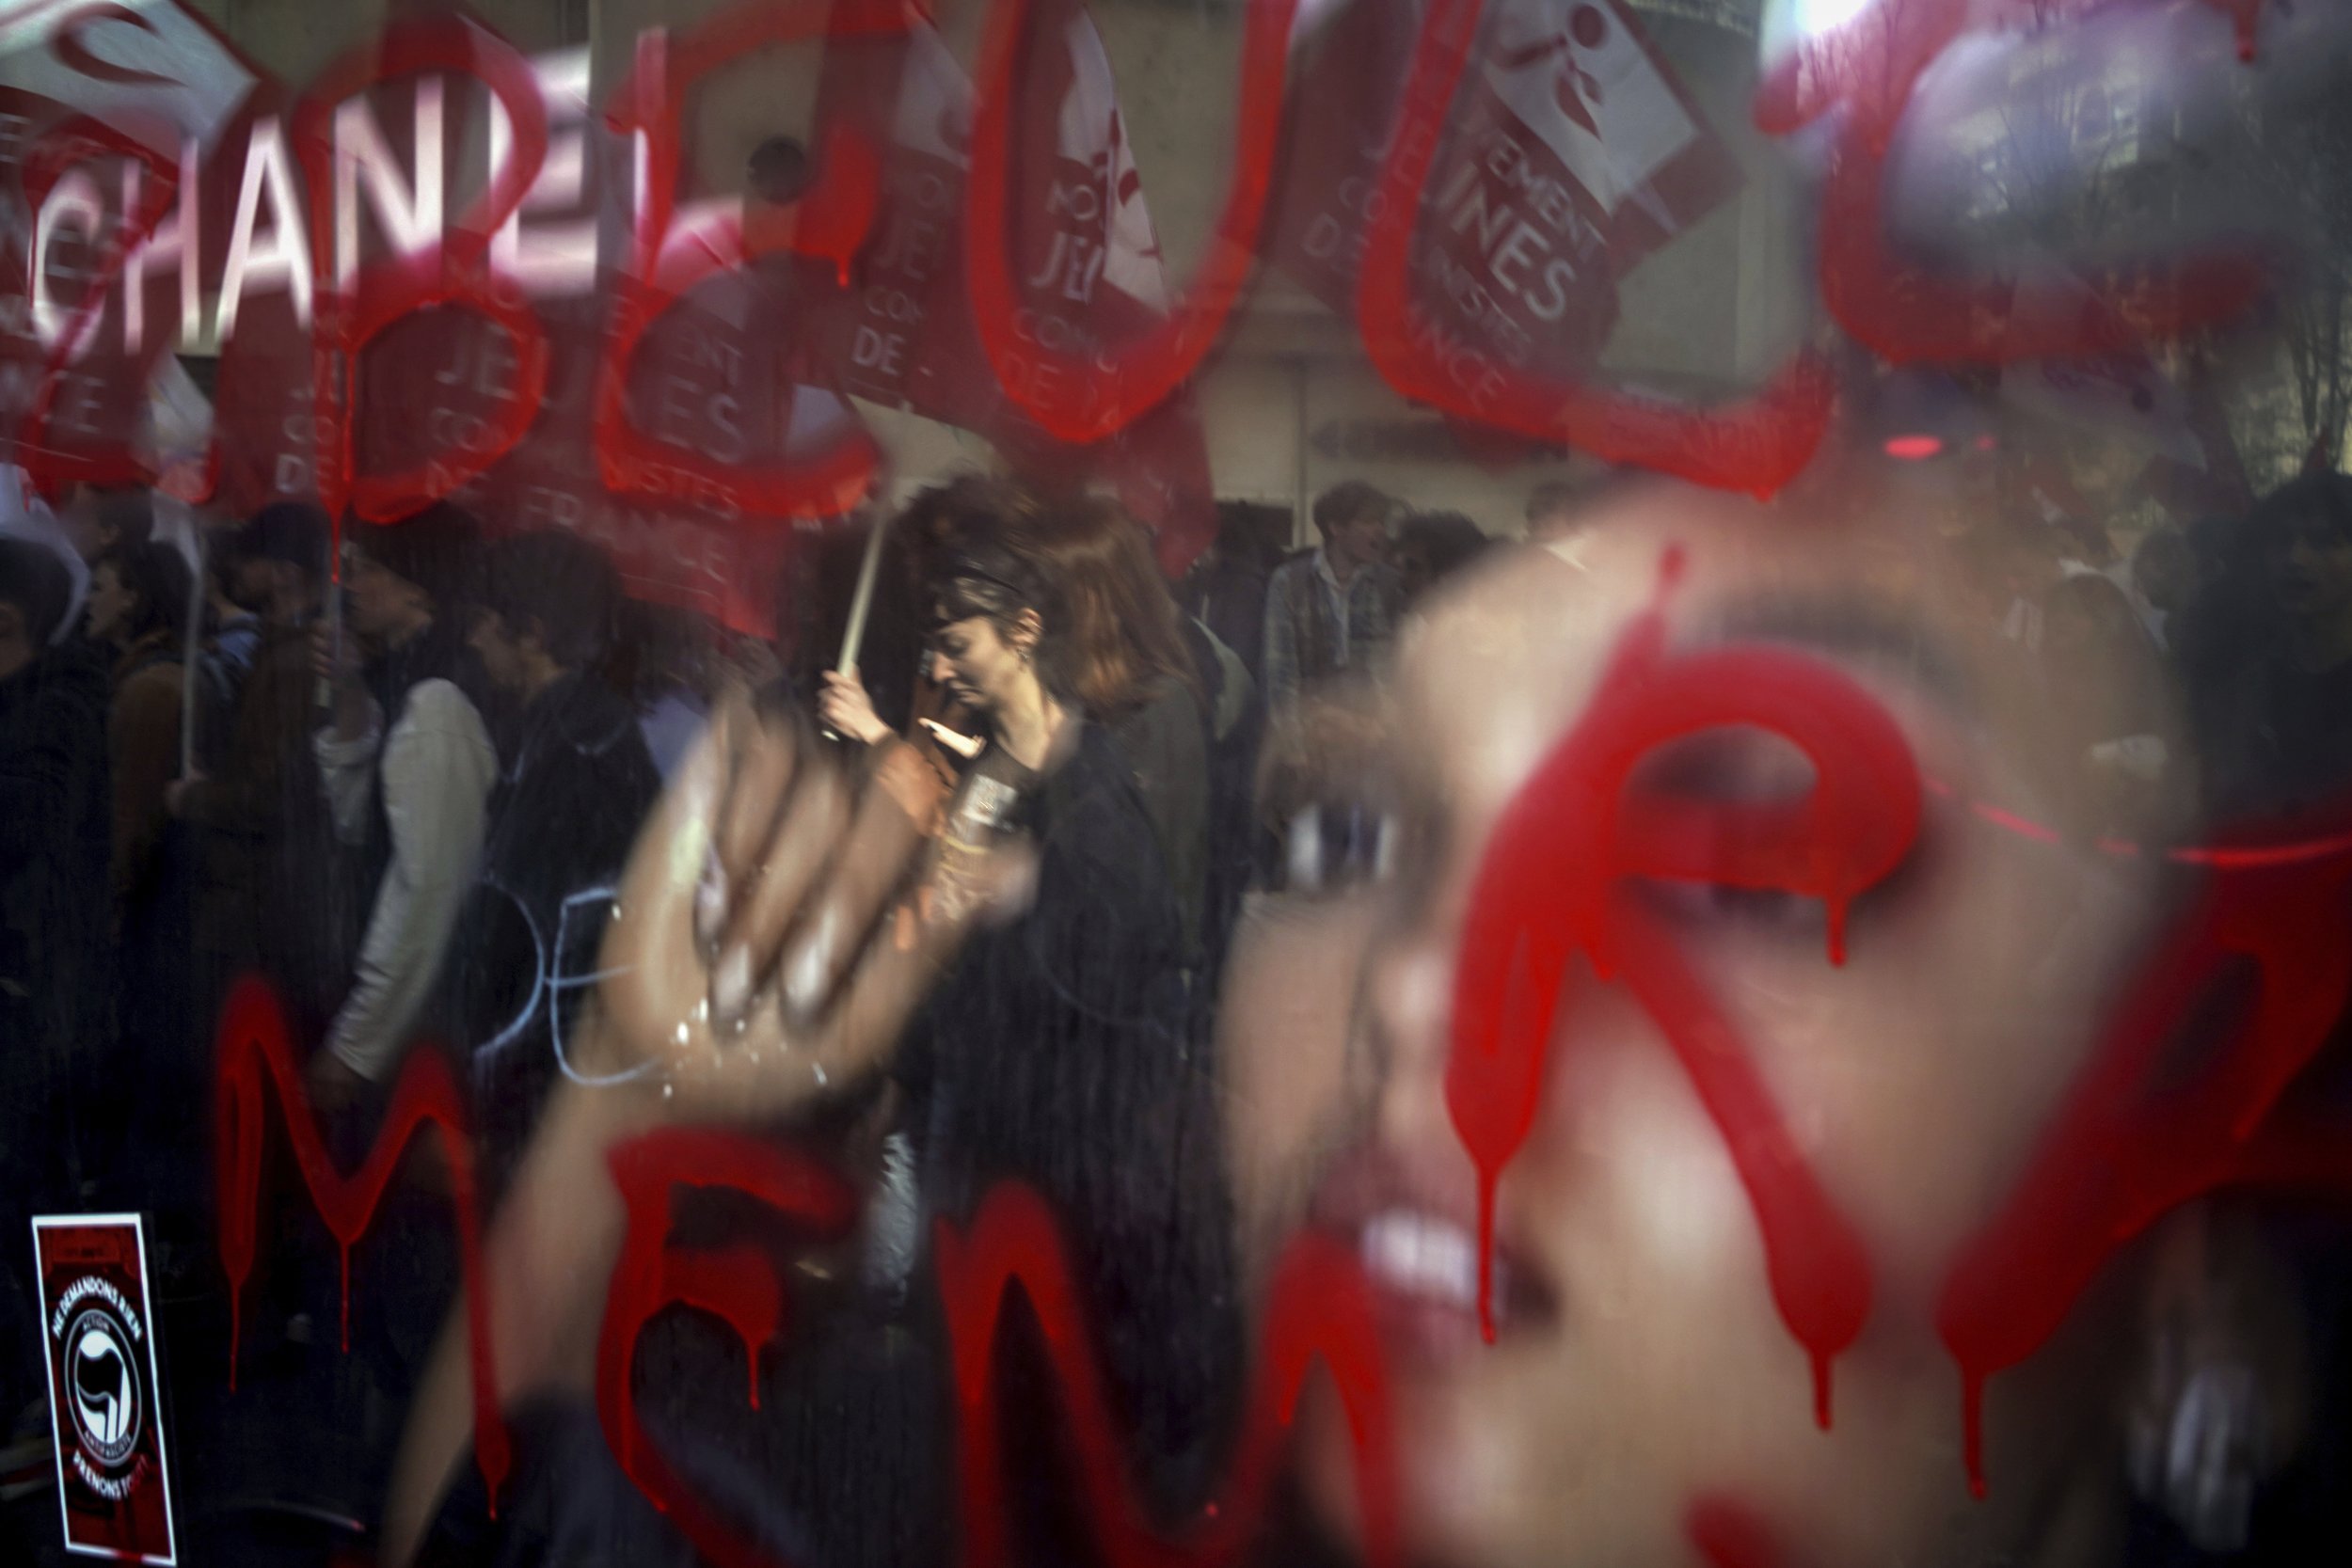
(323, 696)
(862, 599)
(192, 653)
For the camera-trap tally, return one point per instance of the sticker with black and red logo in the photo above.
(113, 1478)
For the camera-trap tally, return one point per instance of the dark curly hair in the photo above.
(159, 582)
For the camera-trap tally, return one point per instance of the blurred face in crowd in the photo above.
(1414, 569)
(2310, 565)
(110, 603)
(978, 664)
(500, 651)
(2164, 571)
(254, 579)
(1639, 1363)
(1362, 540)
(78, 518)
(2085, 613)
(383, 604)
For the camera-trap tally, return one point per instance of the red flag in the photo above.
(113, 110)
(263, 419)
(820, 459)
(904, 337)
(697, 549)
(1581, 77)
(907, 336)
(1571, 154)
(1087, 266)
(721, 378)
(338, 206)
(1350, 71)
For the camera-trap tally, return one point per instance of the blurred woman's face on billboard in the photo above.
(1639, 1365)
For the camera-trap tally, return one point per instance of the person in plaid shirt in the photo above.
(1333, 607)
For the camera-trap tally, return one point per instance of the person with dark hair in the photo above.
(1225, 591)
(1553, 510)
(54, 823)
(34, 592)
(1432, 546)
(940, 515)
(99, 520)
(572, 791)
(1135, 673)
(2289, 745)
(1055, 1051)
(2165, 581)
(1333, 609)
(778, 171)
(407, 766)
(1124, 636)
(138, 608)
(1130, 667)
(232, 639)
(269, 891)
(53, 916)
(138, 613)
(928, 527)
(997, 652)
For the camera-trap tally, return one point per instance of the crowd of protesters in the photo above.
(404, 787)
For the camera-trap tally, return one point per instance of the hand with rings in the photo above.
(782, 916)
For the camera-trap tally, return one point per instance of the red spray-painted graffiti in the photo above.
(1318, 1310)
(2124, 1150)
(736, 1284)
(2115, 1160)
(2118, 1157)
(1318, 1313)
(455, 272)
(1551, 887)
(1729, 1535)
(74, 143)
(254, 1042)
(1150, 368)
(1864, 74)
(830, 221)
(1758, 446)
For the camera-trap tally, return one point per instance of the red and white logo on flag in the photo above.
(904, 337)
(1571, 153)
(1089, 278)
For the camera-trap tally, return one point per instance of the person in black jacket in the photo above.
(1055, 1052)
(276, 893)
(54, 956)
(1058, 1052)
(574, 785)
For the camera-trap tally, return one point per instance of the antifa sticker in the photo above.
(113, 1479)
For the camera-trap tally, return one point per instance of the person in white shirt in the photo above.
(407, 766)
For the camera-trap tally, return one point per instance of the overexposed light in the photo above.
(1815, 17)
(1783, 24)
